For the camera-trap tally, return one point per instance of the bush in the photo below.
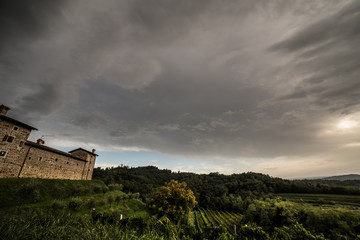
(91, 203)
(102, 202)
(252, 231)
(75, 204)
(295, 232)
(113, 187)
(57, 206)
(135, 195)
(30, 192)
(57, 191)
(78, 190)
(110, 199)
(118, 198)
(100, 189)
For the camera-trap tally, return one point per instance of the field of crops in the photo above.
(319, 199)
(203, 219)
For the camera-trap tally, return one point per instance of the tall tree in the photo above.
(175, 199)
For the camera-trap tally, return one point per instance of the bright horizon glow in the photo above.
(346, 124)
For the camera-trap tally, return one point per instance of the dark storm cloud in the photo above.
(341, 26)
(327, 49)
(206, 78)
(42, 102)
(23, 20)
(89, 119)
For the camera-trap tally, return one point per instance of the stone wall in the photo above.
(90, 158)
(22, 158)
(41, 163)
(12, 148)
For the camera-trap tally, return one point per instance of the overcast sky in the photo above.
(192, 85)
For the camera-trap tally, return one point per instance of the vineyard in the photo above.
(203, 219)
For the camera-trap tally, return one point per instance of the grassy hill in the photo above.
(19, 191)
(239, 206)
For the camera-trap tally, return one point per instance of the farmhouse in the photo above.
(22, 158)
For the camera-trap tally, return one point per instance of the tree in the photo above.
(175, 199)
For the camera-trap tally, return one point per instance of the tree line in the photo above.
(218, 191)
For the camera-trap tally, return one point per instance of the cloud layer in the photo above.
(232, 80)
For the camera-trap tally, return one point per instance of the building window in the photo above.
(8, 138)
(2, 153)
(56, 159)
(21, 143)
(15, 128)
(40, 158)
(5, 138)
(67, 162)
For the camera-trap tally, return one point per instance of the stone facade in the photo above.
(22, 158)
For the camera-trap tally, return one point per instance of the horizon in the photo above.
(262, 86)
(304, 178)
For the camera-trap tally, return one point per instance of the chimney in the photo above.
(3, 109)
(93, 151)
(40, 141)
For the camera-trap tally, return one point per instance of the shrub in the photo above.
(295, 232)
(110, 199)
(78, 190)
(135, 195)
(57, 191)
(57, 206)
(252, 231)
(91, 203)
(75, 204)
(118, 198)
(102, 202)
(100, 189)
(30, 192)
(116, 186)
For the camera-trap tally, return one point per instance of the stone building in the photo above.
(22, 158)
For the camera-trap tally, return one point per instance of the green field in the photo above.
(207, 218)
(324, 199)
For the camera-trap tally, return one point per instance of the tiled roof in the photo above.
(83, 150)
(46, 148)
(16, 122)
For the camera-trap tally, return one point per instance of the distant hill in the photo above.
(343, 177)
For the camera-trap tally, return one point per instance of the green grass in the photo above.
(19, 191)
(45, 226)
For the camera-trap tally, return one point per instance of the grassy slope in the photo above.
(18, 191)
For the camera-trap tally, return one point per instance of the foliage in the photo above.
(75, 204)
(110, 199)
(217, 191)
(16, 191)
(57, 206)
(252, 232)
(30, 191)
(238, 206)
(262, 219)
(115, 186)
(91, 203)
(175, 199)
